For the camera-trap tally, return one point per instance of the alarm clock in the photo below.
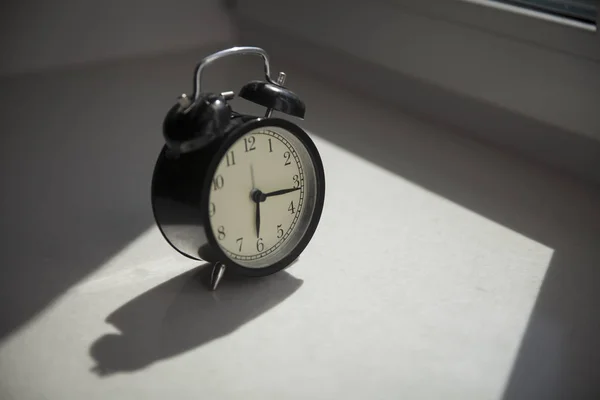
(242, 192)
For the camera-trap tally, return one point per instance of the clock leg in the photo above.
(216, 275)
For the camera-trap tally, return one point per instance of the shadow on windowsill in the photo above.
(182, 314)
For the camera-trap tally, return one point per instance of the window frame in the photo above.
(529, 26)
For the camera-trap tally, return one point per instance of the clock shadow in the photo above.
(182, 314)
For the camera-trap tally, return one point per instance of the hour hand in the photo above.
(280, 192)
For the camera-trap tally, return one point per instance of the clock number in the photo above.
(211, 209)
(230, 158)
(291, 208)
(221, 232)
(296, 181)
(287, 156)
(260, 246)
(218, 182)
(270, 146)
(279, 232)
(240, 241)
(249, 143)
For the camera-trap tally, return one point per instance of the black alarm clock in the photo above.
(241, 192)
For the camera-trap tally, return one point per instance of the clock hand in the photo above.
(280, 192)
(252, 176)
(258, 219)
(257, 196)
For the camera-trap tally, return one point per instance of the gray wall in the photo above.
(554, 86)
(505, 78)
(36, 35)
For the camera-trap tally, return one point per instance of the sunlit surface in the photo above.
(404, 292)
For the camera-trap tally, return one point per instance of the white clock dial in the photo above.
(262, 197)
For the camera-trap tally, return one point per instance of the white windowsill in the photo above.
(441, 267)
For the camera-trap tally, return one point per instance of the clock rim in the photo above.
(315, 157)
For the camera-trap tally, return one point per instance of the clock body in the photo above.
(251, 199)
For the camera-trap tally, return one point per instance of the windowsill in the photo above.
(442, 268)
(457, 269)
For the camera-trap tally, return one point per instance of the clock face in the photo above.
(263, 196)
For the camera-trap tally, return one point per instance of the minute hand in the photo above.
(280, 192)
